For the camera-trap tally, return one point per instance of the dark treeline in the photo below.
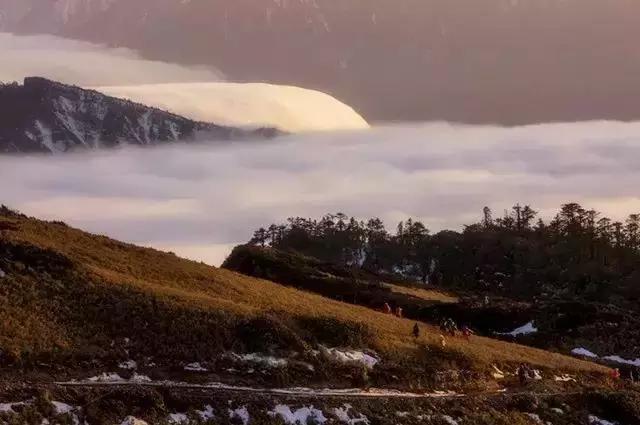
(578, 253)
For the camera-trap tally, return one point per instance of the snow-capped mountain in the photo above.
(50, 117)
(490, 61)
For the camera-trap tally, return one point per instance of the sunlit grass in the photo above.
(181, 285)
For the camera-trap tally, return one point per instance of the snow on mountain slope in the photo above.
(247, 105)
(50, 117)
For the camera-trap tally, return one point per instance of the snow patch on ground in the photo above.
(106, 377)
(343, 415)
(115, 378)
(537, 375)
(2, 274)
(241, 413)
(269, 361)
(449, 420)
(301, 416)
(131, 420)
(350, 356)
(599, 421)
(535, 417)
(527, 329)
(612, 358)
(129, 364)
(206, 414)
(564, 378)
(583, 352)
(497, 373)
(618, 359)
(178, 418)
(8, 407)
(195, 367)
(139, 378)
(557, 410)
(62, 408)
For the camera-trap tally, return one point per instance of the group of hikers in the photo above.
(388, 310)
(526, 373)
(447, 326)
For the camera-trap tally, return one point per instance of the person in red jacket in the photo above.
(615, 373)
(466, 332)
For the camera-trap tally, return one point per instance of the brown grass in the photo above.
(423, 294)
(194, 286)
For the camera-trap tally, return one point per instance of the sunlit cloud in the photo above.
(194, 92)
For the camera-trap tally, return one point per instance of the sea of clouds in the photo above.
(200, 200)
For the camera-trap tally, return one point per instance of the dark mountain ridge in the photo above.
(44, 116)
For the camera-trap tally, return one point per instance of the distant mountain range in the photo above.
(491, 61)
(44, 116)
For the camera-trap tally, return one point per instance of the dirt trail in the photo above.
(326, 393)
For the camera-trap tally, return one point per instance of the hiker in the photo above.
(466, 332)
(451, 327)
(443, 326)
(387, 308)
(399, 312)
(416, 331)
(615, 373)
(523, 373)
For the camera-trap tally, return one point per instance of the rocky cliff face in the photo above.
(49, 117)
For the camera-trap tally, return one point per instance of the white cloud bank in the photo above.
(199, 200)
(197, 93)
(291, 109)
(87, 64)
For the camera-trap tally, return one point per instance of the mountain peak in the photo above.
(45, 116)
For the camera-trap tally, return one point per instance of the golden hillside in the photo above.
(67, 295)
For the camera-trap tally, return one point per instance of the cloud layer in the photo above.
(194, 92)
(86, 64)
(291, 109)
(199, 200)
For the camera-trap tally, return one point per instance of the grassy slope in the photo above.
(70, 293)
